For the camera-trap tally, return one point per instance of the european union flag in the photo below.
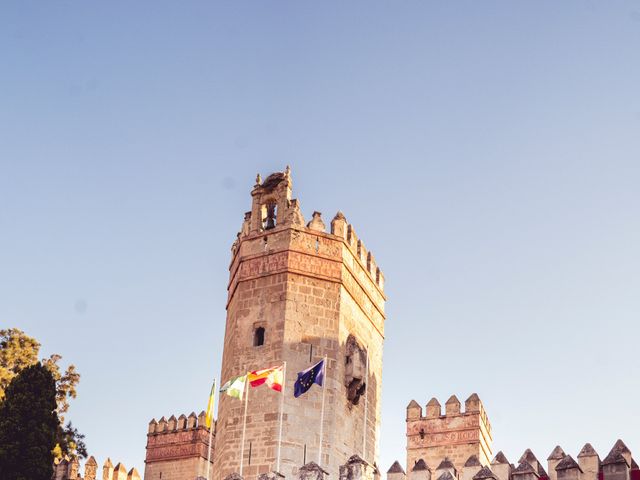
(308, 377)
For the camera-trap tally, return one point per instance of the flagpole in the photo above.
(284, 381)
(244, 424)
(324, 388)
(211, 433)
(366, 408)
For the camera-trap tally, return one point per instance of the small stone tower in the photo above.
(298, 293)
(177, 448)
(456, 435)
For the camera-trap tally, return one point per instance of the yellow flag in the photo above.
(210, 405)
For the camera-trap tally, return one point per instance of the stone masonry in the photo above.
(617, 465)
(69, 469)
(177, 448)
(456, 435)
(296, 294)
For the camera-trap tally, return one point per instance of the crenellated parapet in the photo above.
(181, 441)
(456, 433)
(181, 423)
(273, 209)
(69, 469)
(341, 228)
(617, 465)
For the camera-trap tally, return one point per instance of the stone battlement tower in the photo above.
(177, 448)
(456, 435)
(298, 293)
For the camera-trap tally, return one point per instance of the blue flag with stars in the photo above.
(308, 377)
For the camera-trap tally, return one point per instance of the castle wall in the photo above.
(176, 469)
(69, 469)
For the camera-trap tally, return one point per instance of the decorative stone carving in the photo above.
(355, 370)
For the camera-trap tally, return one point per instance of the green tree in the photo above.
(19, 351)
(28, 425)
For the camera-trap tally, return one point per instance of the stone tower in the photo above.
(456, 436)
(177, 448)
(298, 293)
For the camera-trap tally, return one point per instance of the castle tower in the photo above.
(298, 293)
(456, 435)
(177, 448)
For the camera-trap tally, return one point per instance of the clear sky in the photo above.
(487, 152)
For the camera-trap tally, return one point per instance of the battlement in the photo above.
(174, 424)
(346, 231)
(69, 469)
(273, 209)
(456, 434)
(617, 465)
(177, 448)
(433, 409)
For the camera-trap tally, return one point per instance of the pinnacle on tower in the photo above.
(557, 454)
(472, 461)
(499, 459)
(445, 463)
(553, 460)
(311, 471)
(452, 406)
(396, 468)
(587, 451)
(119, 472)
(182, 422)
(472, 404)
(529, 457)
(434, 409)
(414, 410)
(525, 468)
(133, 475)
(484, 473)
(567, 463)
(192, 420)
(615, 457)
(446, 476)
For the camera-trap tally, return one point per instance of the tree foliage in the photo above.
(28, 425)
(69, 441)
(19, 351)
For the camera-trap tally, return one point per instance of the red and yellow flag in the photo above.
(273, 377)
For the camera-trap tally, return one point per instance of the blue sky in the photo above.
(488, 153)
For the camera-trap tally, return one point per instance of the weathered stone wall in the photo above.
(456, 435)
(69, 469)
(617, 465)
(311, 291)
(177, 449)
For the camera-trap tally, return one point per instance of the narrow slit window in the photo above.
(258, 337)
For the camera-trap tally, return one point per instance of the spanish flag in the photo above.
(212, 400)
(273, 377)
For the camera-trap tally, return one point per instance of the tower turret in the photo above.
(463, 437)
